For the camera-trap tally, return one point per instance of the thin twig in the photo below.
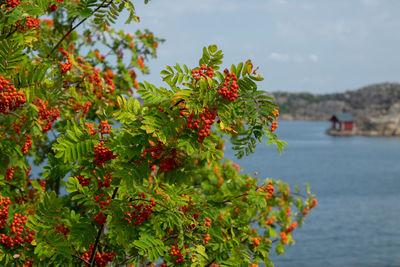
(158, 203)
(15, 114)
(126, 260)
(211, 262)
(79, 258)
(11, 32)
(177, 103)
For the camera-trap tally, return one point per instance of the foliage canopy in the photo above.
(125, 182)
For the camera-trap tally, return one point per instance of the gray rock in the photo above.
(375, 107)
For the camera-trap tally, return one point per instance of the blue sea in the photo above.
(357, 183)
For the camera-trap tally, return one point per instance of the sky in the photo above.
(317, 46)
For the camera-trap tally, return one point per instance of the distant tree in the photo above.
(125, 183)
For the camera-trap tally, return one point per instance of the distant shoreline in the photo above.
(376, 108)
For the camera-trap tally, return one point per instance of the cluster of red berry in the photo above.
(291, 227)
(103, 203)
(207, 239)
(230, 81)
(65, 67)
(95, 79)
(270, 190)
(312, 205)
(208, 222)
(141, 212)
(28, 262)
(4, 206)
(30, 23)
(169, 159)
(288, 212)
(100, 218)
(155, 151)
(98, 55)
(9, 174)
(13, 3)
(99, 259)
(274, 124)
(54, 7)
(104, 127)
(49, 22)
(175, 251)
(190, 208)
(140, 61)
(106, 182)
(103, 259)
(85, 108)
(46, 116)
(10, 98)
(270, 221)
(102, 154)
(91, 129)
(83, 181)
(283, 237)
(202, 72)
(27, 144)
(204, 123)
(108, 79)
(62, 229)
(275, 112)
(169, 163)
(256, 241)
(18, 229)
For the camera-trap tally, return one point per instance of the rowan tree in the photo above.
(125, 183)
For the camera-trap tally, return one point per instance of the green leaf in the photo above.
(212, 49)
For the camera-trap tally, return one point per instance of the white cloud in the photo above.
(314, 58)
(279, 57)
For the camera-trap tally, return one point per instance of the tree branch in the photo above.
(76, 26)
(99, 233)
(211, 262)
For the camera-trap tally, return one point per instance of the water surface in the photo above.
(357, 183)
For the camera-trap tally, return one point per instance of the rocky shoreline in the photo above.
(376, 108)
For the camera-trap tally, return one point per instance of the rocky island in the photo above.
(376, 108)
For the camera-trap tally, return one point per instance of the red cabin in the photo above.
(342, 122)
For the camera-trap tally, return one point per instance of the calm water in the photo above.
(357, 183)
